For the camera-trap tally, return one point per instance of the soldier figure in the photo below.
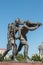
(12, 30)
(12, 36)
(23, 39)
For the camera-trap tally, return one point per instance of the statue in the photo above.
(13, 28)
(28, 26)
(11, 40)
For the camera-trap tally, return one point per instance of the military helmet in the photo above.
(17, 21)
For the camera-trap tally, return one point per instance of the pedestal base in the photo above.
(14, 63)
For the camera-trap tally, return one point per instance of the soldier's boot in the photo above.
(26, 53)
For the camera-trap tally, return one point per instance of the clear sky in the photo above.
(24, 9)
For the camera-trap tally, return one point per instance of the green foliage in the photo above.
(20, 57)
(8, 58)
(36, 58)
(42, 60)
(0, 54)
(29, 58)
(11, 57)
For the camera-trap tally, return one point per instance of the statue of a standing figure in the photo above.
(28, 26)
(11, 40)
(12, 30)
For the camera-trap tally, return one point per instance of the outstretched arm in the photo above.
(33, 23)
(32, 28)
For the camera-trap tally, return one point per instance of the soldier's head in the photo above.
(17, 21)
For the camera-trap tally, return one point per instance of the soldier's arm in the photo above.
(32, 28)
(33, 23)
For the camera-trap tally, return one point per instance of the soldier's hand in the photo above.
(39, 24)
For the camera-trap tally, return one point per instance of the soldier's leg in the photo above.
(25, 51)
(14, 51)
(6, 51)
(24, 42)
(9, 47)
(19, 48)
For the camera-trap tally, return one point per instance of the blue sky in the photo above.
(24, 9)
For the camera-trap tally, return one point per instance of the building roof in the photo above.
(2, 49)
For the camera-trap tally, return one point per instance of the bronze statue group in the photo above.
(22, 28)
